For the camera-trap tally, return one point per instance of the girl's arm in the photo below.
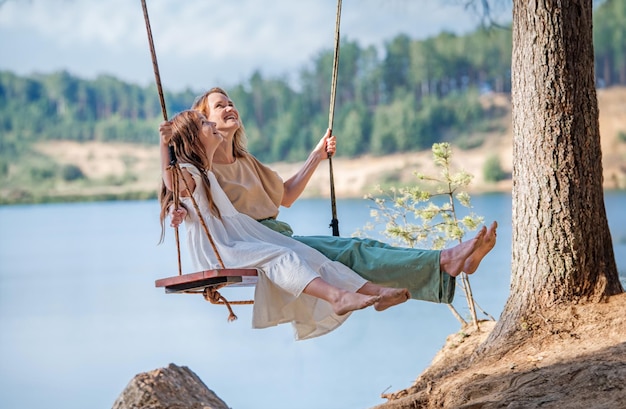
(177, 215)
(165, 133)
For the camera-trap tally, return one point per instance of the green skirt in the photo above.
(415, 269)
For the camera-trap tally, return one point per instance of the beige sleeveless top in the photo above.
(253, 188)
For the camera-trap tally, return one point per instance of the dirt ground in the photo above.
(577, 360)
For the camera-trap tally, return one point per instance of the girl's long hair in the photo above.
(188, 148)
(240, 141)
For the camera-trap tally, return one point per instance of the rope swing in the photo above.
(334, 223)
(209, 282)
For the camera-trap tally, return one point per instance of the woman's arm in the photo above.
(294, 186)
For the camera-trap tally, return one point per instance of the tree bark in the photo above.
(562, 250)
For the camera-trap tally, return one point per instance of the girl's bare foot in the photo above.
(390, 297)
(453, 260)
(487, 243)
(348, 302)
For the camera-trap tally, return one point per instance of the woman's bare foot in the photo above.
(390, 297)
(453, 260)
(487, 243)
(348, 302)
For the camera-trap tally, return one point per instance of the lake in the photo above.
(81, 317)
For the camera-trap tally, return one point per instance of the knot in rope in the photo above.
(213, 296)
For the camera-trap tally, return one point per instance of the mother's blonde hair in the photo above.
(240, 141)
(188, 148)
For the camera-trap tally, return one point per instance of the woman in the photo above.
(296, 283)
(257, 191)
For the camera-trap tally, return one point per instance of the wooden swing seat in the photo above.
(184, 283)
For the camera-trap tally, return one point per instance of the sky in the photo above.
(204, 43)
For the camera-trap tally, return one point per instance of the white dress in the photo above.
(285, 265)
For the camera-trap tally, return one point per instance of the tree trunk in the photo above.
(562, 250)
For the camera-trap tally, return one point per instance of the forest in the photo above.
(405, 97)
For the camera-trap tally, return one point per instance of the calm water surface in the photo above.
(80, 315)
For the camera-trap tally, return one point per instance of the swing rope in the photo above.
(334, 223)
(175, 187)
(210, 294)
(155, 65)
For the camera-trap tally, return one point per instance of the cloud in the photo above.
(200, 40)
(73, 23)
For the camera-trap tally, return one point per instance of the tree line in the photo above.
(418, 93)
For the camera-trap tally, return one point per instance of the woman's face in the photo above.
(223, 112)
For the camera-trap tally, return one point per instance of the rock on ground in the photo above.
(174, 387)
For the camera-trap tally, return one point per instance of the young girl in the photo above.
(296, 283)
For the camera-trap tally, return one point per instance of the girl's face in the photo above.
(209, 134)
(223, 112)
